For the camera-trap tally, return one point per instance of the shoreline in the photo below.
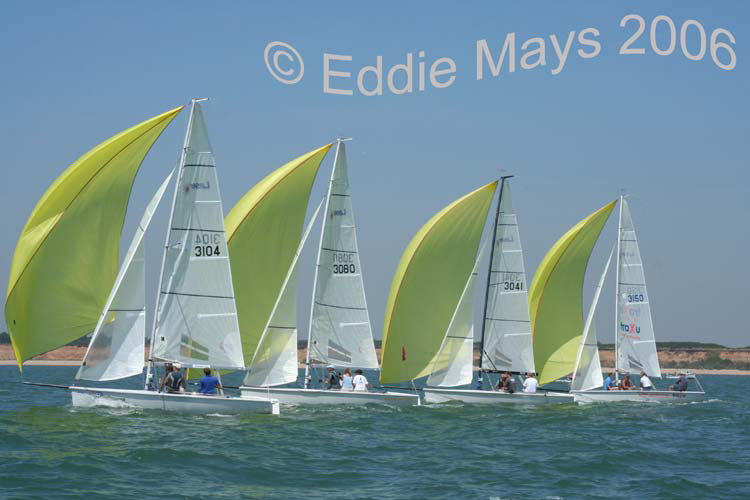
(665, 371)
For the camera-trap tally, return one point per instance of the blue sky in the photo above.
(670, 130)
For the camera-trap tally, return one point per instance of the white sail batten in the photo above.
(507, 327)
(587, 373)
(116, 347)
(340, 331)
(275, 361)
(636, 344)
(453, 365)
(196, 318)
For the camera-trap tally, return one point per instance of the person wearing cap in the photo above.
(332, 378)
(174, 380)
(360, 382)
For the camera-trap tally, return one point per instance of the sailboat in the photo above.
(506, 331)
(635, 344)
(340, 332)
(430, 282)
(195, 321)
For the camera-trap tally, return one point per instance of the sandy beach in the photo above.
(72, 355)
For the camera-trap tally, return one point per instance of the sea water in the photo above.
(49, 450)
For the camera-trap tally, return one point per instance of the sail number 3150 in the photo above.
(207, 245)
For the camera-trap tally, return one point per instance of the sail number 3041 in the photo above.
(207, 245)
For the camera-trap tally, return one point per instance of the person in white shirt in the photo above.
(529, 385)
(360, 382)
(646, 384)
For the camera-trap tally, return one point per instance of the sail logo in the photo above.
(506, 238)
(197, 185)
(633, 312)
(337, 213)
(629, 328)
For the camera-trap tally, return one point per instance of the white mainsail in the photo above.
(116, 347)
(340, 332)
(587, 373)
(275, 362)
(453, 365)
(507, 341)
(196, 319)
(636, 344)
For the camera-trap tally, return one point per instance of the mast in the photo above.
(317, 266)
(150, 366)
(617, 289)
(489, 277)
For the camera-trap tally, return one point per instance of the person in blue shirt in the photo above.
(209, 383)
(608, 383)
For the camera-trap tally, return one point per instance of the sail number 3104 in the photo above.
(207, 245)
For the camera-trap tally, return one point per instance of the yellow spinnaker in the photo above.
(428, 284)
(556, 297)
(263, 231)
(66, 259)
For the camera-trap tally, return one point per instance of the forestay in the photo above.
(587, 374)
(507, 327)
(340, 332)
(116, 347)
(196, 316)
(453, 365)
(636, 345)
(276, 363)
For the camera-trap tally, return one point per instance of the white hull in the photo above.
(297, 396)
(601, 396)
(434, 395)
(184, 403)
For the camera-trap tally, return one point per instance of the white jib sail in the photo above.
(587, 373)
(275, 361)
(116, 347)
(196, 319)
(453, 364)
(636, 344)
(507, 326)
(340, 332)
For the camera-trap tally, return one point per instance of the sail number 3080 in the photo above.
(207, 245)
(343, 263)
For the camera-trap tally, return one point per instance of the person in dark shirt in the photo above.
(209, 383)
(681, 384)
(174, 380)
(510, 383)
(332, 378)
(503, 383)
(627, 385)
